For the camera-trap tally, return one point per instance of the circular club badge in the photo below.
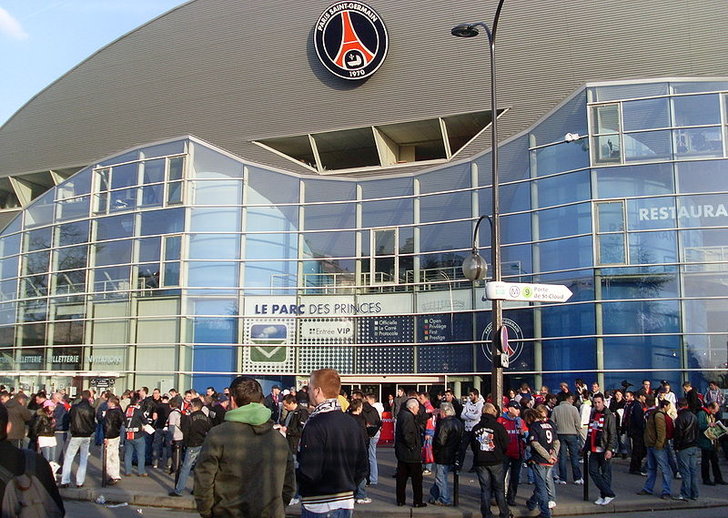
(515, 340)
(351, 40)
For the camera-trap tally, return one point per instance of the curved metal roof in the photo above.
(234, 71)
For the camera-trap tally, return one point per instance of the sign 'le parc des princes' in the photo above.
(351, 40)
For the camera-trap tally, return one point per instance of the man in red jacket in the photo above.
(517, 430)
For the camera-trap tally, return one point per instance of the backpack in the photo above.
(25, 496)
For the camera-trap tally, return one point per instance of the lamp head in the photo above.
(465, 30)
(474, 267)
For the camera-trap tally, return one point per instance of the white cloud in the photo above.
(11, 27)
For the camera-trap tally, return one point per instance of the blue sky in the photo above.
(40, 40)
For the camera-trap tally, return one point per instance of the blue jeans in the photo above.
(373, 468)
(540, 497)
(492, 483)
(600, 470)
(361, 489)
(339, 513)
(160, 447)
(190, 459)
(687, 461)
(570, 443)
(140, 446)
(658, 459)
(439, 490)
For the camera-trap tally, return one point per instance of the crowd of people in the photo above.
(317, 446)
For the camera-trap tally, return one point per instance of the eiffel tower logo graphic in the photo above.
(352, 53)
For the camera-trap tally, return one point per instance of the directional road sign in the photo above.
(527, 292)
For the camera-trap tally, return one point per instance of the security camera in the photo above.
(571, 137)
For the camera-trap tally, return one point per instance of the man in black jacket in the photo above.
(489, 443)
(113, 421)
(408, 450)
(14, 460)
(685, 442)
(195, 428)
(82, 426)
(296, 417)
(637, 434)
(445, 447)
(691, 395)
(332, 455)
(601, 443)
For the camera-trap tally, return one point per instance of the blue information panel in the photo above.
(441, 330)
(385, 330)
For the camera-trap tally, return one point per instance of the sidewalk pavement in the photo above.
(153, 491)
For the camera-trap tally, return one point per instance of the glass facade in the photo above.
(180, 265)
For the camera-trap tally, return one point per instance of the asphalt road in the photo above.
(80, 509)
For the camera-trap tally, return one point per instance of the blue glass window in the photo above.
(271, 246)
(212, 275)
(124, 175)
(39, 239)
(72, 233)
(217, 192)
(168, 221)
(446, 179)
(211, 164)
(514, 229)
(281, 218)
(644, 352)
(388, 213)
(564, 221)
(443, 207)
(696, 110)
(698, 142)
(703, 176)
(269, 187)
(329, 190)
(113, 252)
(564, 156)
(646, 114)
(446, 236)
(277, 277)
(648, 145)
(71, 258)
(553, 256)
(618, 182)
(639, 283)
(556, 190)
(329, 244)
(114, 227)
(334, 216)
(641, 317)
(386, 188)
(652, 247)
(215, 220)
(215, 246)
(154, 170)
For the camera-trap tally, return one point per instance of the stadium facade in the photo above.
(211, 195)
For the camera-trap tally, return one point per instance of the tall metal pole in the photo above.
(469, 30)
(496, 382)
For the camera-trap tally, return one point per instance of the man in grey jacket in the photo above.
(568, 423)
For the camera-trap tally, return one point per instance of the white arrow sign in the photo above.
(528, 292)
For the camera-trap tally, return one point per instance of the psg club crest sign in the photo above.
(351, 40)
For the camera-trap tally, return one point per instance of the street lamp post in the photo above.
(469, 30)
